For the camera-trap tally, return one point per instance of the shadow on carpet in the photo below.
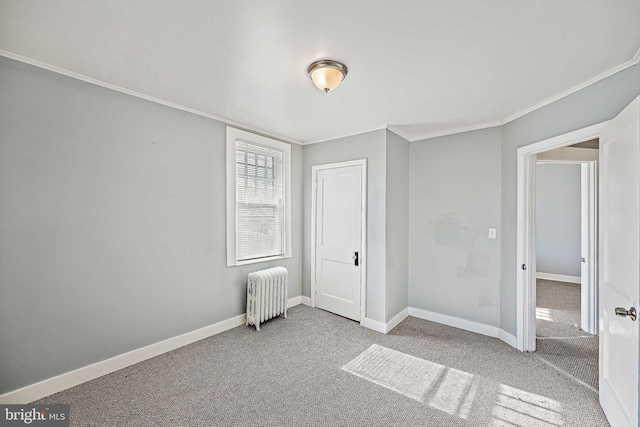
(576, 356)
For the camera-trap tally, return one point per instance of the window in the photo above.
(258, 198)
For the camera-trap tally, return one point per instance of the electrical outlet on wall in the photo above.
(492, 233)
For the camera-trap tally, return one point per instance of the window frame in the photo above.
(233, 136)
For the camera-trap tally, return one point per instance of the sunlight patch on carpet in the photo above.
(451, 390)
(516, 407)
(443, 388)
(544, 314)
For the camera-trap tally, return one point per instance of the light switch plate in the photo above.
(492, 233)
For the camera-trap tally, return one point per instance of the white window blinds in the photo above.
(260, 210)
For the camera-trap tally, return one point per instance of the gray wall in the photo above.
(558, 219)
(112, 218)
(397, 277)
(370, 146)
(112, 225)
(594, 104)
(454, 268)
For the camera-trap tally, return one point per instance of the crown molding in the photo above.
(630, 63)
(146, 97)
(411, 138)
(454, 131)
(398, 132)
(345, 135)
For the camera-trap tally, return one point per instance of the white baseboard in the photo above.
(506, 337)
(558, 277)
(456, 322)
(294, 301)
(467, 325)
(395, 321)
(374, 324)
(67, 380)
(385, 328)
(306, 301)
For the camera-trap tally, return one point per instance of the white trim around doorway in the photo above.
(588, 244)
(526, 250)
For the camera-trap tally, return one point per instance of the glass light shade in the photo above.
(327, 74)
(327, 79)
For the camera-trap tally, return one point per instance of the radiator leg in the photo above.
(286, 295)
(249, 303)
(286, 292)
(257, 314)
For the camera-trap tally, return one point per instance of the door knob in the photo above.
(623, 312)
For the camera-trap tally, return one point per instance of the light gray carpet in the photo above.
(558, 315)
(319, 369)
(558, 309)
(576, 356)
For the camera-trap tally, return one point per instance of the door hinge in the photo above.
(524, 266)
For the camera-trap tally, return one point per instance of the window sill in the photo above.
(259, 260)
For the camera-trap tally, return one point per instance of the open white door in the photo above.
(588, 233)
(619, 268)
(338, 214)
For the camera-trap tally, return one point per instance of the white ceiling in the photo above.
(421, 67)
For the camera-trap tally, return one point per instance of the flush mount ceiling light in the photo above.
(327, 74)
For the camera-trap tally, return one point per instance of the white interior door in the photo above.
(584, 250)
(588, 234)
(619, 268)
(338, 237)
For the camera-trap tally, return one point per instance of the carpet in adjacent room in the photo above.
(558, 309)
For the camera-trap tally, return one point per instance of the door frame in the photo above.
(526, 231)
(363, 243)
(588, 229)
